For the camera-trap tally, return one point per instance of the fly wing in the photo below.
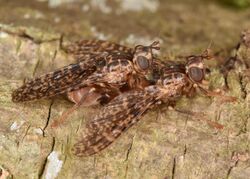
(69, 78)
(116, 117)
(87, 49)
(63, 80)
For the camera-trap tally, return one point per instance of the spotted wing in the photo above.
(60, 81)
(87, 49)
(116, 117)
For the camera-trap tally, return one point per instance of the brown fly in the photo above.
(95, 78)
(113, 68)
(128, 108)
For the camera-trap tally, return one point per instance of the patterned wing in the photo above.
(116, 117)
(87, 49)
(63, 80)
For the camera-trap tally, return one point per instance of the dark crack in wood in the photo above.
(42, 169)
(129, 149)
(174, 168)
(53, 59)
(48, 118)
(94, 162)
(242, 86)
(37, 64)
(25, 134)
(127, 156)
(185, 151)
(25, 35)
(61, 47)
(231, 168)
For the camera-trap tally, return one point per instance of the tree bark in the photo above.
(165, 144)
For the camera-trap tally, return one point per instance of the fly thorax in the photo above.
(173, 84)
(118, 71)
(173, 78)
(119, 66)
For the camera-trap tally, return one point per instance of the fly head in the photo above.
(143, 56)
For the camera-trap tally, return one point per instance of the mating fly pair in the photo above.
(128, 81)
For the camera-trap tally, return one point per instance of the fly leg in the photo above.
(201, 116)
(223, 98)
(83, 97)
(163, 107)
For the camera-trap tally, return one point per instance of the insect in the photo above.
(95, 80)
(113, 68)
(85, 50)
(128, 108)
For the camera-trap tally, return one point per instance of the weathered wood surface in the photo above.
(165, 144)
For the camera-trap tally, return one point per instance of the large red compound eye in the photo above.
(142, 62)
(196, 74)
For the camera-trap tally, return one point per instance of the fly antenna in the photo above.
(155, 45)
(208, 54)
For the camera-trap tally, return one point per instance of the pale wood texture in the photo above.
(165, 144)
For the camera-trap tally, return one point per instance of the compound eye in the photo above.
(142, 62)
(196, 74)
